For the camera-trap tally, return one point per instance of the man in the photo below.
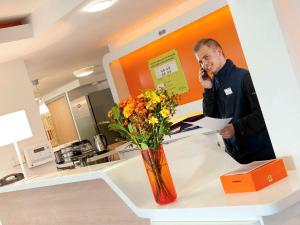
(229, 93)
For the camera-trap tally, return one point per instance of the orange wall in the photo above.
(218, 25)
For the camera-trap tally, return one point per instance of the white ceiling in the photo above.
(77, 40)
(10, 9)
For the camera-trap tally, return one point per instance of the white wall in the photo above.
(155, 23)
(288, 13)
(16, 94)
(117, 82)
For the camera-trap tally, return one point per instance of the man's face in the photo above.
(211, 57)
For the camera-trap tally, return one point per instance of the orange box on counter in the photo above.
(253, 176)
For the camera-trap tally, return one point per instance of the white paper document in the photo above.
(211, 123)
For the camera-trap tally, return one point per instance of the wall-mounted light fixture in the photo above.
(98, 5)
(42, 106)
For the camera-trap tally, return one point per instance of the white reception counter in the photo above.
(196, 164)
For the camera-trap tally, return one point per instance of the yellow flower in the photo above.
(162, 97)
(155, 98)
(153, 120)
(150, 105)
(165, 112)
(141, 95)
(128, 109)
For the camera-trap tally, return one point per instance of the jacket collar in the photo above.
(224, 71)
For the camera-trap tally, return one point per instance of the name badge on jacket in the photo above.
(228, 91)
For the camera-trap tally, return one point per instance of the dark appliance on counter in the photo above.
(11, 178)
(58, 157)
(75, 155)
(100, 142)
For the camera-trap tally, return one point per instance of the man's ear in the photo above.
(220, 51)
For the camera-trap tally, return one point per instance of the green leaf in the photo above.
(130, 128)
(104, 122)
(161, 130)
(124, 132)
(144, 146)
(118, 127)
(116, 111)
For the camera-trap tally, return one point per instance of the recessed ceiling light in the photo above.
(84, 72)
(98, 5)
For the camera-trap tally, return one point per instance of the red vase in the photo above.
(159, 175)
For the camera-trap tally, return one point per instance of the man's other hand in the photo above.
(227, 132)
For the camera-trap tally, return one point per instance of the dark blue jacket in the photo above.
(233, 95)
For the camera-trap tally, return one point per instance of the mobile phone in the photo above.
(205, 75)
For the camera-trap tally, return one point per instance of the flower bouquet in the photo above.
(144, 121)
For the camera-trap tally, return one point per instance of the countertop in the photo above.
(196, 164)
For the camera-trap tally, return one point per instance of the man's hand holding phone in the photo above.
(204, 79)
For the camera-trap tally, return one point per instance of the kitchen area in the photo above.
(76, 128)
(87, 110)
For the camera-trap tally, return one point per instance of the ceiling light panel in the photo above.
(84, 71)
(98, 5)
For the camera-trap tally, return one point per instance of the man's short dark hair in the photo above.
(209, 42)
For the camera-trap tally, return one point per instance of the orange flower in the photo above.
(110, 114)
(139, 108)
(141, 105)
(123, 103)
(125, 123)
(141, 111)
(131, 101)
(144, 111)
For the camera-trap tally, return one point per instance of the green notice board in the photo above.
(167, 72)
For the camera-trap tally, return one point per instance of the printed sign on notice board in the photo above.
(167, 72)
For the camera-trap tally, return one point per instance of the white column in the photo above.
(271, 69)
(288, 13)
